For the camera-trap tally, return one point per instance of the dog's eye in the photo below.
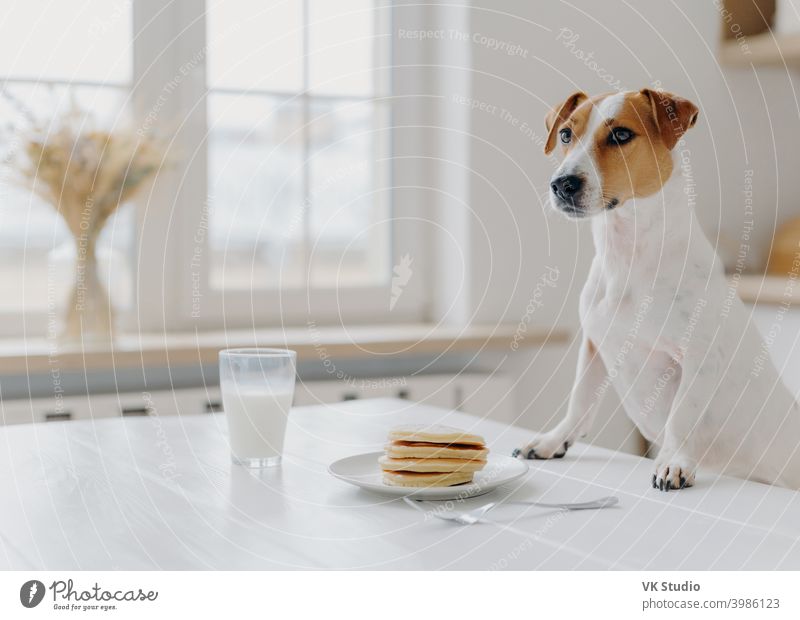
(566, 135)
(620, 135)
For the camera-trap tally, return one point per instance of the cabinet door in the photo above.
(785, 346)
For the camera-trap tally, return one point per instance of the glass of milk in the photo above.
(257, 388)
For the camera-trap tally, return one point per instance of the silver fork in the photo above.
(475, 515)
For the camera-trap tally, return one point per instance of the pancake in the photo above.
(434, 434)
(422, 450)
(431, 465)
(415, 479)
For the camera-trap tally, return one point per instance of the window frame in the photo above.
(165, 36)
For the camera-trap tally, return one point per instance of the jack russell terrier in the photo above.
(660, 322)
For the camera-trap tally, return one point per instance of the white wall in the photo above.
(513, 238)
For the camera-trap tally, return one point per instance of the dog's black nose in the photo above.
(567, 186)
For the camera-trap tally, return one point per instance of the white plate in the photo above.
(363, 471)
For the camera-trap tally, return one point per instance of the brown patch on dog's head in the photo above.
(640, 166)
(558, 115)
(673, 115)
(617, 147)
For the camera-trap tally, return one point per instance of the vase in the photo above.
(89, 314)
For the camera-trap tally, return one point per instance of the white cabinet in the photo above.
(480, 394)
(781, 330)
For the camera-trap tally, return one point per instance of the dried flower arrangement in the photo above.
(85, 173)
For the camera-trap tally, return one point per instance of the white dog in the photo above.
(660, 321)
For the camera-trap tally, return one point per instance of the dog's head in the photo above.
(616, 147)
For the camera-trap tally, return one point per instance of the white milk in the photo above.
(256, 421)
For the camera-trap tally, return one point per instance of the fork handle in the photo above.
(603, 502)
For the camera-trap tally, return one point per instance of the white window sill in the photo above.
(191, 349)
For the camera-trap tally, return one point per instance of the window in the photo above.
(279, 194)
(298, 143)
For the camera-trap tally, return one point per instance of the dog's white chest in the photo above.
(620, 321)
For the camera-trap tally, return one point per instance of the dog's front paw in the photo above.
(672, 473)
(543, 446)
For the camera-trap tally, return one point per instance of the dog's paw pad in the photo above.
(542, 447)
(560, 455)
(673, 476)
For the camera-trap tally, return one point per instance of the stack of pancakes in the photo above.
(432, 456)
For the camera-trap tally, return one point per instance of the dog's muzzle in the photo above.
(566, 190)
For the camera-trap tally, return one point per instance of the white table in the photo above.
(161, 493)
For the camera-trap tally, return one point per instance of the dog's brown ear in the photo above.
(558, 115)
(673, 115)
